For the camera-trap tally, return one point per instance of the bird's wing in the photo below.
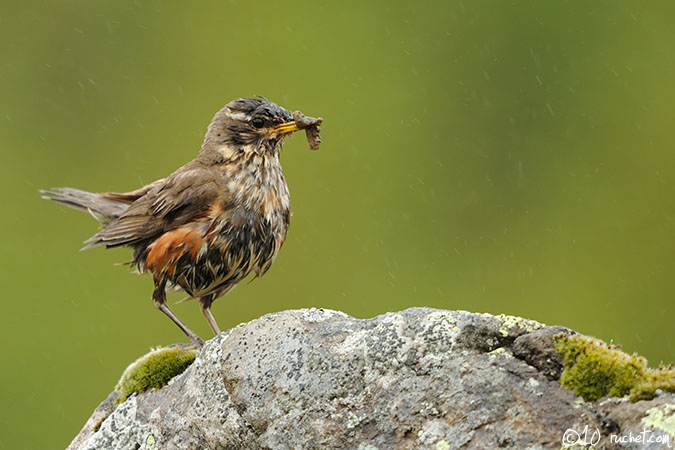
(185, 195)
(132, 196)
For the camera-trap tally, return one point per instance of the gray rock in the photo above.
(420, 378)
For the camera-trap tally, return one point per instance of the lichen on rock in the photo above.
(511, 322)
(661, 418)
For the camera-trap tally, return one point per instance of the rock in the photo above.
(538, 350)
(420, 378)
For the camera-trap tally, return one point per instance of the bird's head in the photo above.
(249, 124)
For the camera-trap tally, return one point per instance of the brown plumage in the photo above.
(214, 221)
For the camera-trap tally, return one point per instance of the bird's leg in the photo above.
(159, 297)
(205, 303)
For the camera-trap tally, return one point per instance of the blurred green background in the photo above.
(501, 157)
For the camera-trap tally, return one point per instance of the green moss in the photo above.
(662, 378)
(594, 369)
(153, 370)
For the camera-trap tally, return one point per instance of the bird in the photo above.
(214, 221)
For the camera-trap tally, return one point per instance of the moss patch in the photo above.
(153, 370)
(593, 369)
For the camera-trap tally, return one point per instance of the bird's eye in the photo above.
(257, 122)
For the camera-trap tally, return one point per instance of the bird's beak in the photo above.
(285, 128)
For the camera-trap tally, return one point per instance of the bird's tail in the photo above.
(100, 206)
